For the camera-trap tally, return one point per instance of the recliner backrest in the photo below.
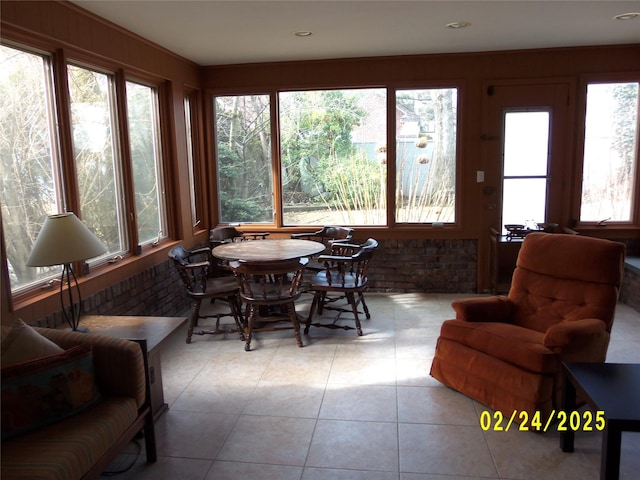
(565, 277)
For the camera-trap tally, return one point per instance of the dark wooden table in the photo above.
(268, 250)
(154, 330)
(613, 389)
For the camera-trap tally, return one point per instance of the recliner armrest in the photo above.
(483, 309)
(572, 332)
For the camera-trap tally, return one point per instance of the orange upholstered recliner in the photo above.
(506, 351)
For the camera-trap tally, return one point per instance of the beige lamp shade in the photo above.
(64, 239)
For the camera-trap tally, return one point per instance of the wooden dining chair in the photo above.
(328, 235)
(194, 269)
(220, 235)
(344, 276)
(229, 234)
(268, 288)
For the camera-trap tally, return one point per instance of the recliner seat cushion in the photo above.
(510, 343)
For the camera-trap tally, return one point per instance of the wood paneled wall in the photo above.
(58, 26)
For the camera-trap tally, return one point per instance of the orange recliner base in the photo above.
(493, 382)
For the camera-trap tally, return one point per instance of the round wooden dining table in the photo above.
(272, 250)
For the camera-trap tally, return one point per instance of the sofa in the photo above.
(93, 401)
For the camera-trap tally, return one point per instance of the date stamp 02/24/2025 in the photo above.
(560, 421)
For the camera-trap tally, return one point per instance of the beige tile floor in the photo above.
(348, 407)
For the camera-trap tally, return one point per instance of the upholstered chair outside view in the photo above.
(506, 352)
(269, 290)
(344, 276)
(194, 269)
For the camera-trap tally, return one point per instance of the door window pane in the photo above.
(93, 124)
(426, 122)
(526, 144)
(30, 187)
(610, 152)
(146, 161)
(243, 148)
(525, 167)
(333, 145)
(523, 201)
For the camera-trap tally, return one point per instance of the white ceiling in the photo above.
(212, 32)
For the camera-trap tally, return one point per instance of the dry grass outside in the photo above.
(367, 217)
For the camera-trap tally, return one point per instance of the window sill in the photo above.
(611, 231)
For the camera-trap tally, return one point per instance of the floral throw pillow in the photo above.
(45, 390)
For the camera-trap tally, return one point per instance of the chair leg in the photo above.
(314, 304)
(354, 307)
(249, 330)
(195, 313)
(321, 302)
(294, 321)
(364, 305)
(235, 307)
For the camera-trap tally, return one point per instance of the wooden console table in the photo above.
(155, 330)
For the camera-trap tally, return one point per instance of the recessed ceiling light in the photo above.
(456, 25)
(302, 33)
(627, 16)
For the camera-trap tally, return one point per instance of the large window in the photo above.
(332, 168)
(96, 154)
(245, 170)
(146, 161)
(29, 181)
(122, 202)
(610, 153)
(426, 125)
(196, 195)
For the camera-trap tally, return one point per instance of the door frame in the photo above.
(557, 94)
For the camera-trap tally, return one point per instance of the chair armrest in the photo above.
(483, 309)
(198, 251)
(303, 236)
(571, 332)
(118, 363)
(194, 266)
(334, 258)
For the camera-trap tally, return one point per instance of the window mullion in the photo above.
(391, 157)
(67, 177)
(125, 159)
(278, 202)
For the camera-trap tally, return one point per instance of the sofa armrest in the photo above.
(574, 332)
(484, 309)
(118, 363)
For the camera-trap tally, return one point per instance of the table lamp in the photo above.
(64, 239)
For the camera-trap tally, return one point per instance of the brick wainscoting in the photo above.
(442, 266)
